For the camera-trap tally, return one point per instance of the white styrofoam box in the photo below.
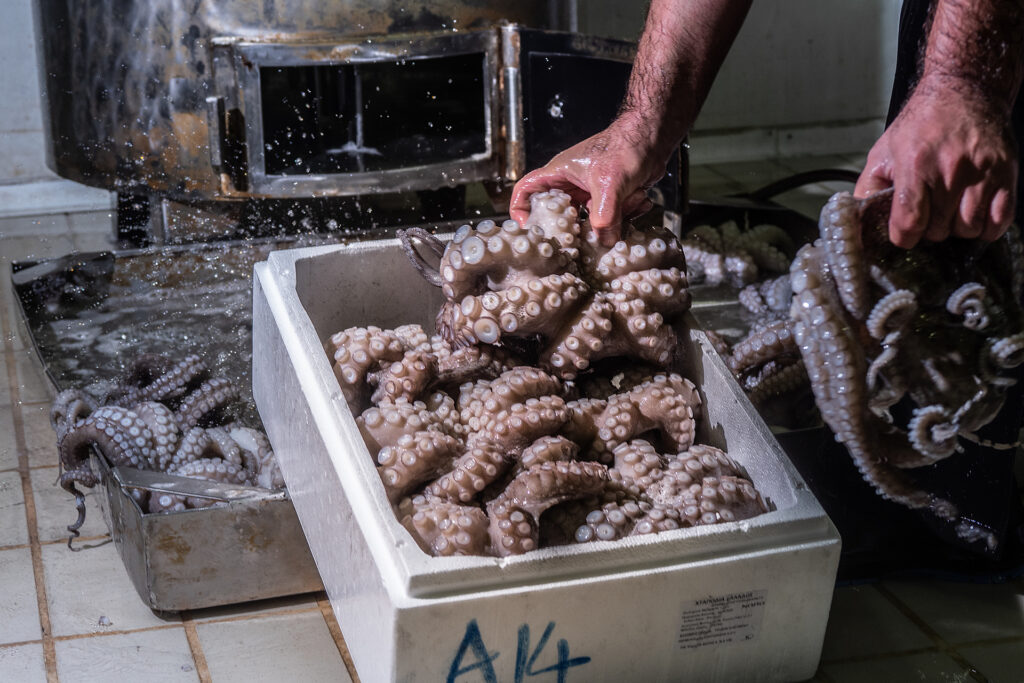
(737, 601)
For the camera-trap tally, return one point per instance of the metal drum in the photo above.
(152, 97)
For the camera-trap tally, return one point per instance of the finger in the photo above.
(1000, 213)
(943, 212)
(606, 216)
(519, 205)
(973, 215)
(910, 209)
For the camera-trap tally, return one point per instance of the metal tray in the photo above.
(87, 313)
(248, 547)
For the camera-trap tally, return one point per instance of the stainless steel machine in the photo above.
(216, 117)
(229, 128)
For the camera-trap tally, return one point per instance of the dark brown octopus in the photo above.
(161, 417)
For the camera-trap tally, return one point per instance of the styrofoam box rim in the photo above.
(798, 518)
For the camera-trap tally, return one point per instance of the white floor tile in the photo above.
(258, 649)
(8, 444)
(863, 622)
(40, 439)
(19, 611)
(998, 662)
(965, 612)
(927, 666)
(13, 527)
(290, 603)
(161, 655)
(55, 508)
(33, 384)
(89, 591)
(23, 663)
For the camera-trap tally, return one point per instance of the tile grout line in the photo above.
(195, 647)
(339, 639)
(4, 646)
(49, 649)
(114, 632)
(940, 642)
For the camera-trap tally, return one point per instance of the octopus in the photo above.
(543, 395)
(906, 352)
(164, 416)
(738, 257)
(940, 326)
(552, 287)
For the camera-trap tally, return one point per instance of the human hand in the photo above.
(951, 159)
(608, 173)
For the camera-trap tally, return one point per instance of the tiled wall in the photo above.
(21, 126)
(803, 77)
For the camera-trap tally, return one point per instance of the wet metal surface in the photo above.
(126, 83)
(90, 315)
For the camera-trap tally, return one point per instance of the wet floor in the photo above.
(76, 616)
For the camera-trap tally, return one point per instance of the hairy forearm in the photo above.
(682, 47)
(976, 49)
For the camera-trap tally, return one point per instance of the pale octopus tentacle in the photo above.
(384, 424)
(356, 351)
(415, 459)
(491, 452)
(772, 295)
(479, 402)
(764, 342)
(207, 469)
(553, 213)
(154, 378)
(514, 516)
(836, 373)
(444, 528)
(842, 249)
(70, 407)
(666, 403)
(212, 396)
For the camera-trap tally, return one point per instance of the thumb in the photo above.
(606, 217)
